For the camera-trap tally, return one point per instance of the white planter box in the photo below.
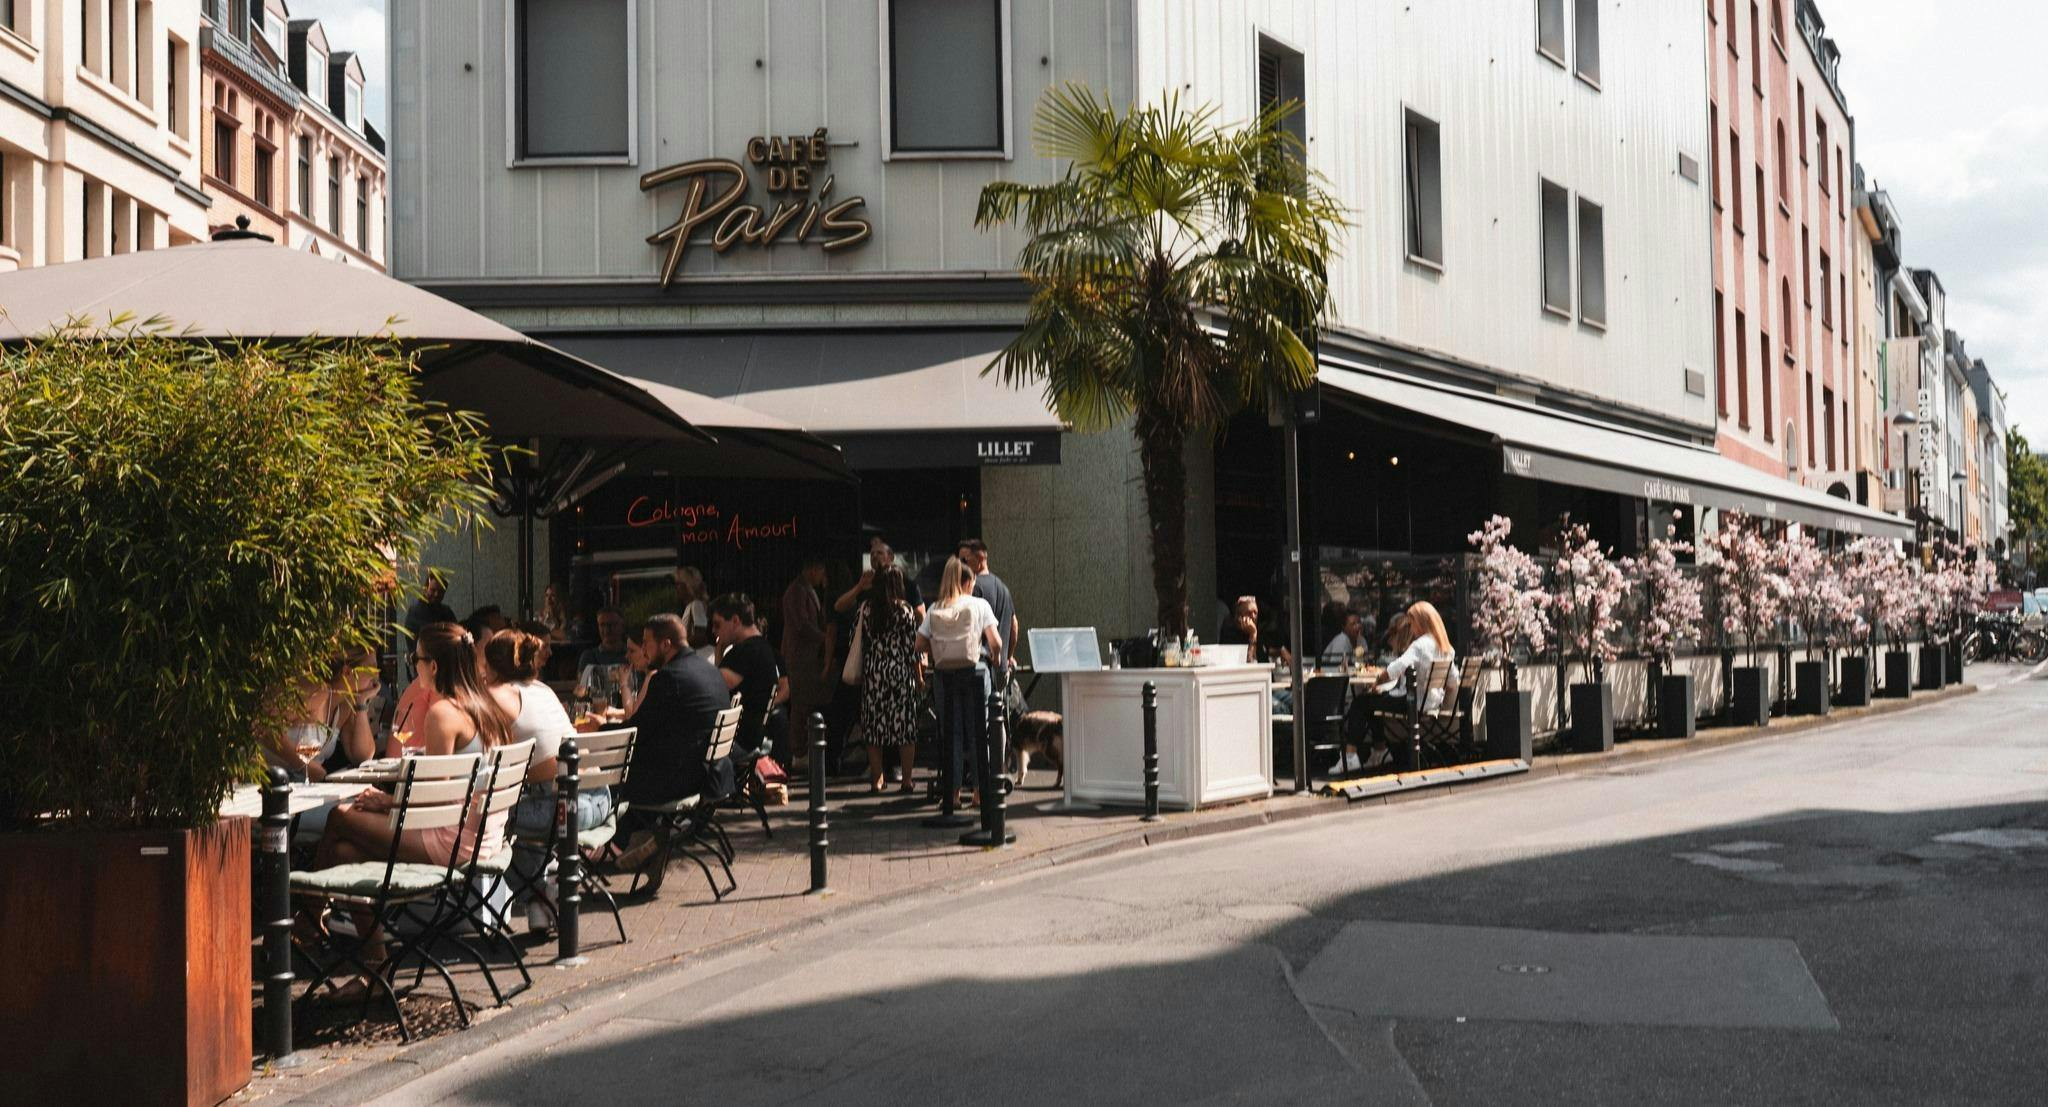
(1215, 735)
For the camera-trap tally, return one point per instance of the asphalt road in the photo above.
(1853, 916)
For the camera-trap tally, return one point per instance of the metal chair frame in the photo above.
(604, 760)
(501, 782)
(691, 821)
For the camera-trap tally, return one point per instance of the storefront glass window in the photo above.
(946, 67)
(574, 78)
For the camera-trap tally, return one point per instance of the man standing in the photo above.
(807, 652)
(747, 662)
(990, 587)
(428, 609)
(684, 696)
(880, 557)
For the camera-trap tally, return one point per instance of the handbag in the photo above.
(850, 674)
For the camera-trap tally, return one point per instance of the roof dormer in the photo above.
(345, 83)
(309, 59)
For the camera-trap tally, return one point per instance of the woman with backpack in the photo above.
(958, 632)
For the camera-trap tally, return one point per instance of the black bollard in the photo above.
(569, 858)
(1151, 704)
(991, 767)
(949, 817)
(274, 898)
(819, 842)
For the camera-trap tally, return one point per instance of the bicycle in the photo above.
(2004, 638)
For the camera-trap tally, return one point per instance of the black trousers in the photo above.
(1366, 722)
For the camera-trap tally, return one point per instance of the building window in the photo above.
(573, 81)
(948, 77)
(1763, 218)
(120, 46)
(1827, 407)
(1810, 424)
(1784, 174)
(363, 213)
(316, 75)
(1841, 194)
(224, 151)
(1827, 291)
(306, 176)
(1720, 357)
(1742, 369)
(1820, 130)
(1756, 70)
(1592, 264)
(1733, 48)
(1557, 249)
(1423, 190)
(1586, 40)
(1735, 177)
(1785, 316)
(175, 97)
(265, 167)
(334, 196)
(1764, 386)
(1550, 29)
(1802, 123)
(1283, 80)
(145, 52)
(353, 103)
(1714, 147)
(1778, 20)
(1805, 268)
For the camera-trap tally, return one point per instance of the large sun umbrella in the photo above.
(584, 422)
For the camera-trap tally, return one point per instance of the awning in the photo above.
(1555, 446)
(835, 383)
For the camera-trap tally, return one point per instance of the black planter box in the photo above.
(1592, 717)
(1510, 725)
(1933, 667)
(1855, 691)
(1749, 700)
(1810, 678)
(1954, 651)
(1898, 675)
(1676, 706)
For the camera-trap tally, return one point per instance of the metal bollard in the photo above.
(569, 858)
(819, 823)
(990, 764)
(1151, 704)
(274, 899)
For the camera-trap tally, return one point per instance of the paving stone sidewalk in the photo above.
(879, 850)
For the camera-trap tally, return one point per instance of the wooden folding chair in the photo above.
(604, 760)
(499, 785)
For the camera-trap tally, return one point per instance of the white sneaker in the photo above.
(1351, 762)
(1336, 767)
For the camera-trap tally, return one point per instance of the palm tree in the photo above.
(1175, 267)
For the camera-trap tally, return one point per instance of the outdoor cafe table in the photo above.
(248, 799)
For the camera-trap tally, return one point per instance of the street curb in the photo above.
(383, 1076)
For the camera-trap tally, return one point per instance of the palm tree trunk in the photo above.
(1161, 441)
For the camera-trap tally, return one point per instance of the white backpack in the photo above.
(955, 645)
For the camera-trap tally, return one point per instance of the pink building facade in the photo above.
(1784, 315)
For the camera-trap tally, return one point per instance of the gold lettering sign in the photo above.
(789, 165)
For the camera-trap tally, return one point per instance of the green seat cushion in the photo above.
(364, 878)
(671, 807)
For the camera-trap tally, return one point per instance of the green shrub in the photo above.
(185, 533)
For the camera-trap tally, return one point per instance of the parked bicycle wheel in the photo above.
(1973, 647)
(2031, 646)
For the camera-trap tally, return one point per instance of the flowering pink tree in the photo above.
(1805, 569)
(1875, 577)
(1511, 606)
(1840, 606)
(1672, 607)
(1586, 588)
(1749, 584)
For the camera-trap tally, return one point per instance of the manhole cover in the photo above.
(1525, 970)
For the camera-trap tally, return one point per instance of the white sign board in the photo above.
(1064, 650)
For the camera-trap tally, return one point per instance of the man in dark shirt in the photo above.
(990, 587)
(428, 609)
(684, 695)
(748, 664)
(611, 641)
(880, 557)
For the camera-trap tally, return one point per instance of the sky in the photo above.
(1951, 109)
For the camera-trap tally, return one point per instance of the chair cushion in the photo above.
(597, 836)
(496, 863)
(364, 878)
(672, 807)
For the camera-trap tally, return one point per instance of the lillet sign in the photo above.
(790, 167)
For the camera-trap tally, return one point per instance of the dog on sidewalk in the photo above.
(1042, 734)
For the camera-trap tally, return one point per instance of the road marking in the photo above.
(2007, 838)
(1729, 864)
(1743, 847)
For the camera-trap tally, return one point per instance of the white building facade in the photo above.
(98, 147)
(774, 204)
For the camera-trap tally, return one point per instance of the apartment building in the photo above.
(1992, 488)
(1783, 242)
(1515, 325)
(97, 129)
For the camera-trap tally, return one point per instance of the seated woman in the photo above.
(467, 716)
(515, 658)
(1420, 637)
(327, 718)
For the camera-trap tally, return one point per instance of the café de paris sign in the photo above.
(713, 189)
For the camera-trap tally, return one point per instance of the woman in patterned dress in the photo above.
(891, 675)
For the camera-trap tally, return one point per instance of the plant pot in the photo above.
(1810, 679)
(128, 964)
(1954, 653)
(1898, 675)
(1855, 690)
(1933, 667)
(1510, 725)
(1677, 707)
(1592, 717)
(1749, 698)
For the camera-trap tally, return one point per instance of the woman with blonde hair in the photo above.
(693, 598)
(1427, 641)
(959, 636)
